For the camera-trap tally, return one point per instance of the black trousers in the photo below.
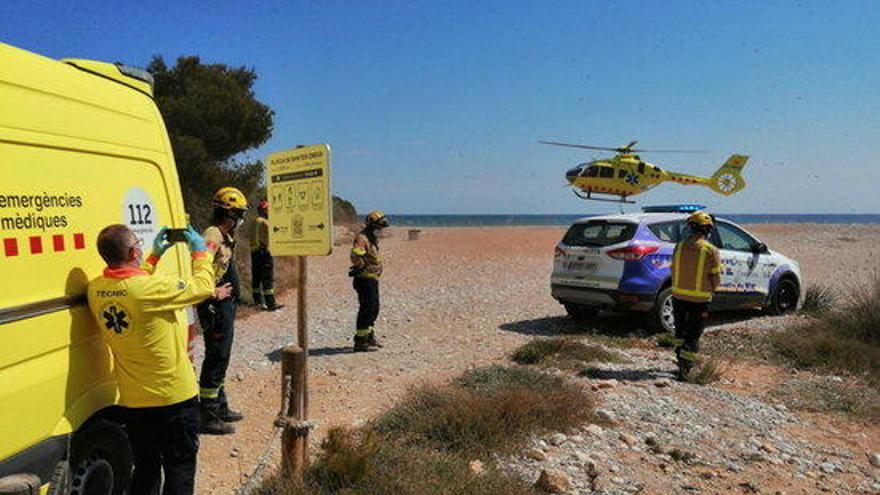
(217, 319)
(262, 275)
(164, 440)
(368, 303)
(690, 321)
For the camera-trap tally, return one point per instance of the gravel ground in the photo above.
(455, 299)
(670, 437)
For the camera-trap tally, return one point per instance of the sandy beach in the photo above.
(454, 299)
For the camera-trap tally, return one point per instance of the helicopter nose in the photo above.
(573, 173)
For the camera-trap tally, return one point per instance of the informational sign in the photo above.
(300, 202)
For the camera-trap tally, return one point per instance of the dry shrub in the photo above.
(423, 445)
(493, 409)
(561, 352)
(394, 468)
(708, 371)
(846, 339)
(819, 299)
(830, 394)
(666, 340)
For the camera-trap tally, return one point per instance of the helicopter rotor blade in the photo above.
(667, 151)
(582, 146)
(623, 149)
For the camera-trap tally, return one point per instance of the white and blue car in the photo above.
(622, 263)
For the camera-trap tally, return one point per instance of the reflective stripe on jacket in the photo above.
(260, 234)
(693, 265)
(137, 314)
(365, 259)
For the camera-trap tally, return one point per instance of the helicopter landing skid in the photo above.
(589, 196)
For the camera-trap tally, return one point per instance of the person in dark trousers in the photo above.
(217, 315)
(696, 274)
(136, 311)
(262, 265)
(366, 268)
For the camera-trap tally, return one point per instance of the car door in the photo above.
(742, 276)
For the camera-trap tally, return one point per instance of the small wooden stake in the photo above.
(294, 440)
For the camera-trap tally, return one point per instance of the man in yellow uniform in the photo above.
(136, 311)
(366, 268)
(696, 274)
(217, 315)
(262, 265)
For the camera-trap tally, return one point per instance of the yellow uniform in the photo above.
(222, 245)
(260, 234)
(365, 259)
(137, 312)
(696, 266)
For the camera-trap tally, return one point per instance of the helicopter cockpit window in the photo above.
(621, 173)
(592, 171)
(606, 172)
(642, 168)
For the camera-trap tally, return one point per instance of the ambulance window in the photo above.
(733, 238)
(606, 172)
(591, 171)
(621, 173)
(642, 168)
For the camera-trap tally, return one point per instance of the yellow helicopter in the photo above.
(626, 175)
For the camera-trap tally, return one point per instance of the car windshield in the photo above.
(598, 234)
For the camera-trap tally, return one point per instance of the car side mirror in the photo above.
(759, 248)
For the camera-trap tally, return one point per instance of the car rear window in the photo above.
(673, 231)
(598, 234)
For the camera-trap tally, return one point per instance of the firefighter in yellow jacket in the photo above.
(366, 268)
(696, 274)
(136, 311)
(262, 264)
(217, 315)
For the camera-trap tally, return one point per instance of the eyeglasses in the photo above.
(139, 243)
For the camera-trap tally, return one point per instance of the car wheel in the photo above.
(784, 297)
(100, 460)
(661, 318)
(580, 311)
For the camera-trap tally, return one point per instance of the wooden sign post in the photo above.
(301, 218)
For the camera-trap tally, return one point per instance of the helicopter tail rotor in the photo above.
(728, 179)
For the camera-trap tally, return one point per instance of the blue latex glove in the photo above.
(160, 243)
(195, 241)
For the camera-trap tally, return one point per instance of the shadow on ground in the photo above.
(626, 375)
(609, 324)
(275, 356)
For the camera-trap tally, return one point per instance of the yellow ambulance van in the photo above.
(82, 146)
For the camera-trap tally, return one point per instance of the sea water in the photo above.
(404, 220)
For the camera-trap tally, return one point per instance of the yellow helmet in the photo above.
(377, 218)
(701, 218)
(230, 198)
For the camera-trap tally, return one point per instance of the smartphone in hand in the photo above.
(175, 235)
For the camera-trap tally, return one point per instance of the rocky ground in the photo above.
(668, 437)
(459, 298)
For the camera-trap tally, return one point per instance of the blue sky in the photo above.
(436, 107)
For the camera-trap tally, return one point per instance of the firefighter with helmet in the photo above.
(217, 315)
(262, 265)
(366, 268)
(696, 274)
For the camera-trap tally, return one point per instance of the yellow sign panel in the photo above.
(300, 202)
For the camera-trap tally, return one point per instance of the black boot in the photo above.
(228, 415)
(210, 422)
(258, 299)
(360, 344)
(271, 305)
(371, 340)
